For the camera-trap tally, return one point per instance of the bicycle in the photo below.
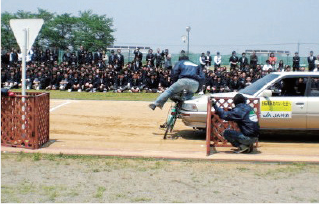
(173, 114)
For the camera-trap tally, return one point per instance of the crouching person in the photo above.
(247, 121)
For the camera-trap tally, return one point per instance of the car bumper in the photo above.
(194, 119)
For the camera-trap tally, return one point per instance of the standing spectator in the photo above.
(167, 60)
(311, 61)
(317, 62)
(217, 61)
(120, 58)
(66, 56)
(233, 61)
(73, 59)
(89, 58)
(150, 57)
(243, 61)
(272, 58)
(296, 62)
(183, 56)
(112, 58)
(138, 54)
(208, 60)
(13, 57)
(97, 56)
(202, 59)
(158, 58)
(253, 60)
(81, 54)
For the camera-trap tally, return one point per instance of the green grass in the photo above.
(100, 191)
(56, 94)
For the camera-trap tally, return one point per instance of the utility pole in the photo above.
(188, 28)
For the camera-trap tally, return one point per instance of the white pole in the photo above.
(24, 54)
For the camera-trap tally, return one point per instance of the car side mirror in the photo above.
(266, 93)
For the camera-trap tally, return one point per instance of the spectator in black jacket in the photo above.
(253, 60)
(183, 56)
(81, 57)
(75, 82)
(112, 58)
(136, 83)
(233, 61)
(138, 55)
(152, 84)
(235, 84)
(121, 83)
(208, 60)
(311, 61)
(296, 62)
(243, 61)
(150, 57)
(158, 58)
(120, 58)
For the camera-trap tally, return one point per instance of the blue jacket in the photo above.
(245, 117)
(187, 69)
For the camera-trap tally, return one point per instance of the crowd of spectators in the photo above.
(102, 72)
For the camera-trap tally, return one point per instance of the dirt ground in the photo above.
(48, 178)
(130, 128)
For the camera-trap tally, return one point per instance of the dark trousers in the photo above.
(237, 138)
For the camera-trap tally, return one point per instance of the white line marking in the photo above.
(56, 107)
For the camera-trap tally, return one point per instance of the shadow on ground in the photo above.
(275, 137)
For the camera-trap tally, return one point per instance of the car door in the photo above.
(287, 107)
(313, 103)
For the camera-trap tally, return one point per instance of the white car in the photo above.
(288, 101)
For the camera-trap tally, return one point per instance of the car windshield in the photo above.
(257, 85)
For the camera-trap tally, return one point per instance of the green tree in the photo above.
(60, 31)
(7, 38)
(93, 31)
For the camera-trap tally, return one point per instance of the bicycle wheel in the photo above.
(170, 125)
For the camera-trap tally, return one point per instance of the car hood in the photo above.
(201, 102)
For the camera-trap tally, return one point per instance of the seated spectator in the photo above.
(75, 81)
(235, 84)
(267, 66)
(11, 81)
(136, 84)
(100, 83)
(165, 83)
(152, 84)
(89, 84)
(65, 83)
(121, 83)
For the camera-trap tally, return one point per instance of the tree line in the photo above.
(63, 31)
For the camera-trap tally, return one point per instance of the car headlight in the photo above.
(189, 107)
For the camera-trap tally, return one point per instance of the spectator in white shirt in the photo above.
(267, 66)
(217, 60)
